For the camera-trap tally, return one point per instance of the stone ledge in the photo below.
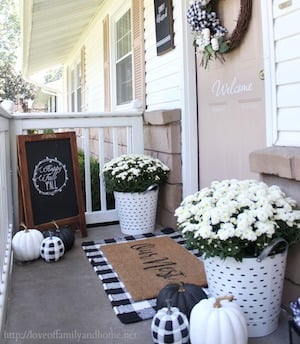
(162, 117)
(163, 138)
(279, 161)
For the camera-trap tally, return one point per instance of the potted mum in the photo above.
(242, 230)
(134, 179)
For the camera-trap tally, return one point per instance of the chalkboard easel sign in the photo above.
(50, 181)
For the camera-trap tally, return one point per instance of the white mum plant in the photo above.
(134, 173)
(237, 219)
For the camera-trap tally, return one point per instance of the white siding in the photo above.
(93, 41)
(94, 69)
(163, 74)
(287, 72)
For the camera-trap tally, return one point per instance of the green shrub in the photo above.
(95, 184)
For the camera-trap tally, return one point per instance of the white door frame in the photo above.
(190, 154)
(269, 71)
(189, 123)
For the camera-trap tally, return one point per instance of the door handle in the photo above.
(261, 74)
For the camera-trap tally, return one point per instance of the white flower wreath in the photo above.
(209, 35)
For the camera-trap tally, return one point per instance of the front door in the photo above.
(231, 105)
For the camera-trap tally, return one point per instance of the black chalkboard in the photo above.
(49, 180)
(164, 26)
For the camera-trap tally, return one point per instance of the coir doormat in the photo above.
(104, 258)
(146, 266)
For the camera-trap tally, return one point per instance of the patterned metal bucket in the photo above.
(137, 211)
(255, 283)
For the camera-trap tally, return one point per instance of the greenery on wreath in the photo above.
(238, 219)
(209, 34)
(134, 173)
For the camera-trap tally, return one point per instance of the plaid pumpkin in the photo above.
(169, 325)
(52, 249)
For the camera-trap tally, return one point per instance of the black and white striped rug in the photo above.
(126, 309)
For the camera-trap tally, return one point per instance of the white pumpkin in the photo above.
(26, 244)
(218, 321)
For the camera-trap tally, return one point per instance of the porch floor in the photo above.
(64, 302)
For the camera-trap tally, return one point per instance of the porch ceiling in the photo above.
(51, 28)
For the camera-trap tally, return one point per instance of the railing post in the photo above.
(6, 213)
(15, 129)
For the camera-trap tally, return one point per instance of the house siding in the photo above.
(287, 74)
(94, 70)
(162, 72)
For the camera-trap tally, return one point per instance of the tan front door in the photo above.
(231, 112)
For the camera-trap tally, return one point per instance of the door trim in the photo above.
(189, 114)
(269, 72)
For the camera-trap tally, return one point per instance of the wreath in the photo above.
(210, 37)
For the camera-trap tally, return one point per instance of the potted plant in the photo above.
(242, 229)
(134, 179)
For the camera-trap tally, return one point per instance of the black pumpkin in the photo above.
(181, 295)
(66, 234)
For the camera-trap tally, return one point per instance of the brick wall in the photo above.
(162, 137)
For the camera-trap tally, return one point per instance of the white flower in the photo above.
(264, 212)
(249, 235)
(267, 227)
(227, 231)
(206, 34)
(215, 44)
(201, 2)
(204, 2)
(205, 232)
(122, 175)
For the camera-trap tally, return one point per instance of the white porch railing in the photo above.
(106, 135)
(125, 136)
(6, 212)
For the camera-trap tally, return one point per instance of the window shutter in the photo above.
(106, 64)
(83, 78)
(138, 50)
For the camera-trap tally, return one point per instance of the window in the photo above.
(124, 56)
(123, 59)
(72, 90)
(78, 86)
(75, 87)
